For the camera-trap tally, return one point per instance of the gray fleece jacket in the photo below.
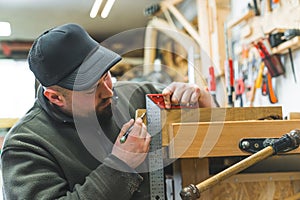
(44, 156)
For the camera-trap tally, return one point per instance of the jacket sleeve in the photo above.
(32, 174)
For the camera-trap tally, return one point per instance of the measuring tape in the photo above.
(155, 156)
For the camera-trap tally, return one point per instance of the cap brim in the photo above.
(91, 70)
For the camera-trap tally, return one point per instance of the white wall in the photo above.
(17, 90)
(287, 90)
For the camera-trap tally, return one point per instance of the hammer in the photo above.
(287, 142)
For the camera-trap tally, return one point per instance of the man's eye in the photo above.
(105, 75)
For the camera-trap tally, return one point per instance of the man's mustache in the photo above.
(104, 101)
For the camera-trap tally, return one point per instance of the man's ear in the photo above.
(54, 97)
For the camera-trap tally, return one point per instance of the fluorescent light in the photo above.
(107, 8)
(5, 29)
(95, 8)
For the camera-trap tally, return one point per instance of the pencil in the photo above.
(124, 137)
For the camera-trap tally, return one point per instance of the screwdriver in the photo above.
(124, 137)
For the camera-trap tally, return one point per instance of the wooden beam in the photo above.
(294, 115)
(213, 114)
(214, 139)
(246, 16)
(259, 177)
(294, 197)
(205, 30)
(293, 44)
(7, 122)
(181, 38)
(189, 28)
(149, 49)
(193, 171)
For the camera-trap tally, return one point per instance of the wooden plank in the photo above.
(7, 122)
(247, 15)
(293, 44)
(213, 114)
(294, 115)
(186, 24)
(260, 177)
(181, 38)
(214, 139)
(218, 39)
(267, 190)
(194, 171)
(262, 186)
(205, 31)
(149, 49)
(294, 197)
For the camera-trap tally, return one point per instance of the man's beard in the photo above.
(105, 114)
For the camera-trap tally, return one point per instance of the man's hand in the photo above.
(135, 149)
(186, 94)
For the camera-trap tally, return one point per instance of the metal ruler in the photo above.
(154, 106)
(155, 156)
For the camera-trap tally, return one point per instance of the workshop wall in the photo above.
(287, 90)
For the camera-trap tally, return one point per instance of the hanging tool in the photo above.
(272, 97)
(212, 84)
(292, 64)
(272, 62)
(286, 143)
(276, 39)
(267, 88)
(259, 78)
(258, 82)
(288, 35)
(240, 89)
(152, 10)
(229, 72)
(264, 86)
(254, 7)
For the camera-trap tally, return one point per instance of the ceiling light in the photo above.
(5, 29)
(95, 8)
(107, 8)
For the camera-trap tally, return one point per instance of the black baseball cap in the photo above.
(69, 57)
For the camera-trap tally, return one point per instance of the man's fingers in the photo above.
(147, 142)
(143, 131)
(196, 95)
(167, 100)
(126, 126)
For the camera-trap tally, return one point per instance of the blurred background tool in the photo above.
(240, 89)
(229, 72)
(292, 64)
(270, 90)
(212, 84)
(272, 61)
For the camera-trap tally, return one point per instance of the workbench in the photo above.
(205, 141)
